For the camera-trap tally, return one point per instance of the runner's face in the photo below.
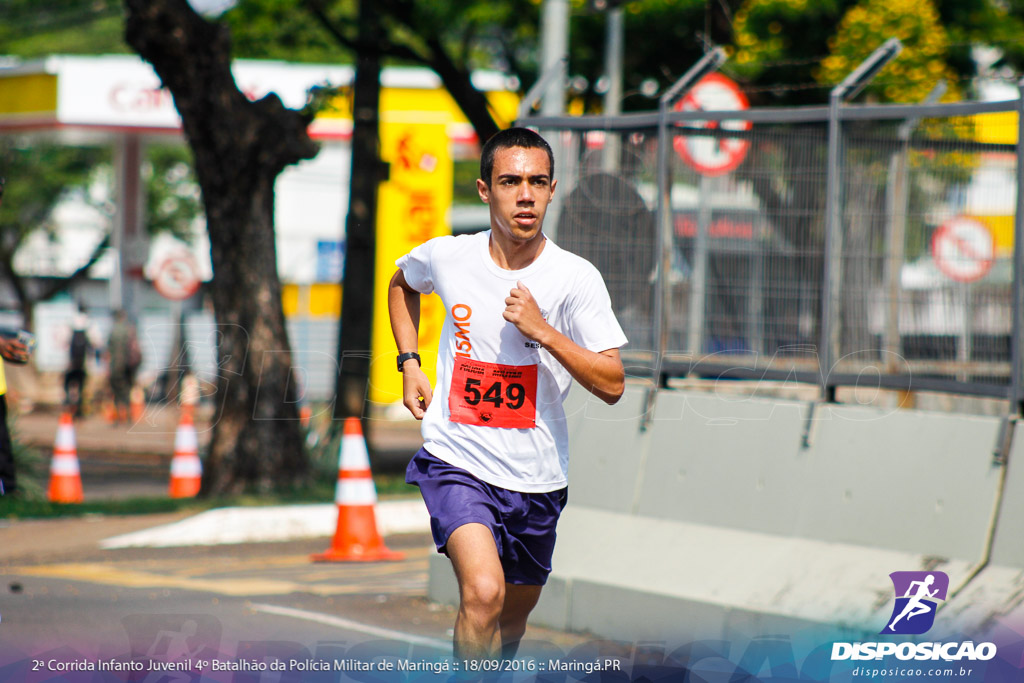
(520, 191)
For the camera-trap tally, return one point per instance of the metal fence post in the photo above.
(1016, 342)
(833, 267)
(663, 294)
(831, 273)
(897, 203)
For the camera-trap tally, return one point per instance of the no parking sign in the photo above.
(963, 249)
(177, 277)
(713, 155)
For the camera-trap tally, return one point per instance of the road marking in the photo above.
(349, 570)
(350, 625)
(106, 574)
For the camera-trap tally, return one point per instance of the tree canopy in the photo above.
(33, 29)
(794, 51)
(782, 51)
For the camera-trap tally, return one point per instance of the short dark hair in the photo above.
(512, 137)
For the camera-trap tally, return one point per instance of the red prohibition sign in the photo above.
(177, 278)
(964, 249)
(713, 155)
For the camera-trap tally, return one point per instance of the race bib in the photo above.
(493, 395)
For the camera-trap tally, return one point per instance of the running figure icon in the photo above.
(917, 592)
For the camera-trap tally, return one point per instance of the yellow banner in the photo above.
(412, 207)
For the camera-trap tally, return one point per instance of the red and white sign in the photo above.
(177, 278)
(964, 248)
(713, 156)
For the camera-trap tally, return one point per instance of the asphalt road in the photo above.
(78, 605)
(69, 607)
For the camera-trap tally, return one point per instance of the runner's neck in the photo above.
(515, 255)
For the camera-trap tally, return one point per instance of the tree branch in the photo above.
(316, 8)
(55, 287)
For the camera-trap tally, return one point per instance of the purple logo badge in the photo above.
(917, 598)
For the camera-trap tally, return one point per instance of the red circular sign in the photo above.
(713, 155)
(964, 249)
(177, 278)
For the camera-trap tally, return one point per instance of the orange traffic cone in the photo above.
(138, 403)
(186, 470)
(356, 538)
(109, 411)
(65, 477)
(189, 395)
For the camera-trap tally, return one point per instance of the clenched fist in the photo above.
(521, 310)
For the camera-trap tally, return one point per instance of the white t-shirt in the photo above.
(572, 297)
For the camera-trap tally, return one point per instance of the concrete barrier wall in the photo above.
(1008, 545)
(907, 481)
(734, 513)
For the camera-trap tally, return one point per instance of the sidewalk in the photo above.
(35, 540)
(151, 439)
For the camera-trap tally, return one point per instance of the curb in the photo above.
(269, 524)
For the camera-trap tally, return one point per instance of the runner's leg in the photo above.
(481, 579)
(519, 602)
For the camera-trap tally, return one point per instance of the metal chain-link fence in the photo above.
(912, 283)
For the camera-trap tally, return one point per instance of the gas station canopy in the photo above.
(122, 94)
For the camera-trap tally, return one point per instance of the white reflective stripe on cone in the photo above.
(186, 467)
(185, 441)
(64, 464)
(355, 492)
(353, 453)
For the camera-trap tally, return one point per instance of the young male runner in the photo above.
(523, 319)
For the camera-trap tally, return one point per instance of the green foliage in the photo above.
(480, 33)
(917, 69)
(281, 29)
(33, 29)
(781, 41)
(40, 173)
(663, 38)
(173, 200)
(779, 44)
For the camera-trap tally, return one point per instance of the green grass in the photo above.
(20, 507)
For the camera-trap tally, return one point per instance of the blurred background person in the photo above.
(83, 340)
(124, 358)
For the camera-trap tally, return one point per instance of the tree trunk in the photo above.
(356, 331)
(240, 147)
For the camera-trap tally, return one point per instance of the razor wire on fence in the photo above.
(914, 288)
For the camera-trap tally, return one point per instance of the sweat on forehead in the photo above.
(513, 137)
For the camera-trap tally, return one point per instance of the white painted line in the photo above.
(350, 625)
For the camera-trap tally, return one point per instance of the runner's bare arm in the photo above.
(600, 373)
(404, 309)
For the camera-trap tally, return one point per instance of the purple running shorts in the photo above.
(523, 524)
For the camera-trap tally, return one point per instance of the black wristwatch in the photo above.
(402, 357)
